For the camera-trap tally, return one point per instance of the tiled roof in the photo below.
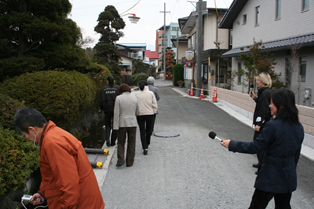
(151, 54)
(278, 45)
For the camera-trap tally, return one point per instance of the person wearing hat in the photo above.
(124, 121)
(262, 111)
(106, 100)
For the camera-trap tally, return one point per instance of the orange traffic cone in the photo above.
(202, 94)
(191, 93)
(214, 96)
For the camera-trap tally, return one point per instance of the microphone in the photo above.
(213, 135)
(251, 87)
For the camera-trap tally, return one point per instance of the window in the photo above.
(278, 9)
(239, 72)
(305, 5)
(230, 38)
(244, 19)
(173, 37)
(302, 69)
(257, 16)
(174, 28)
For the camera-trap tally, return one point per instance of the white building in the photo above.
(282, 26)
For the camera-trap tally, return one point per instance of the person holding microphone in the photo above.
(281, 140)
(262, 111)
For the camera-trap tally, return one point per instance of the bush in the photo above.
(178, 71)
(18, 159)
(8, 108)
(136, 78)
(60, 96)
(16, 66)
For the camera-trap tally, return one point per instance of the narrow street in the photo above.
(192, 170)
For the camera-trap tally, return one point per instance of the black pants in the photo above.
(108, 128)
(145, 122)
(261, 199)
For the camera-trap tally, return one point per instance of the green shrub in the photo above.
(8, 108)
(60, 96)
(18, 159)
(178, 71)
(136, 78)
(16, 66)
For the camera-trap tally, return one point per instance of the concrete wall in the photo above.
(243, 104)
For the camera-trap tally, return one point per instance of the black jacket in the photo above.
(281, 142)
(107, 97)
(262, 111)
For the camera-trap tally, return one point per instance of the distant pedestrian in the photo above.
(147, 109)
(154, 89)
(67, 178)
(262, 110)
(125, 111)
(106, 100)
(281, 140)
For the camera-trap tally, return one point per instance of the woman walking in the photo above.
(281, 140)
(147, 107)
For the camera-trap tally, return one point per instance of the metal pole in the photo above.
(199, 32)
(177, 45)
(164, 49)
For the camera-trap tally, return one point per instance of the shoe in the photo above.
(113, 144)
(108, 144)
(120, 164)
(145, 151)
(256, 165)
(256, 172)
(129, 165)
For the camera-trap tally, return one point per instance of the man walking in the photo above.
(106, 100)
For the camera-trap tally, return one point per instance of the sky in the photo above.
(85, 14)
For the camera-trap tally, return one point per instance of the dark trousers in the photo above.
(108, 128)
(145, 123)
(124, 132)
(261, 199)
(261, 153)
(153, 125)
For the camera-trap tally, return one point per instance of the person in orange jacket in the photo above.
(68, 180)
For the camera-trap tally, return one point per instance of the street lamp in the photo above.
(132, 17)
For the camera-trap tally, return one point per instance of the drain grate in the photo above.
(166, 134)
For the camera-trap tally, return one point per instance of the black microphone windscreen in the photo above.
(212, 135)
(251, 86)
(18, 197)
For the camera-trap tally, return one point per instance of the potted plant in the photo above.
(180, 83)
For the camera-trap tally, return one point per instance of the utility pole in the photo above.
(199, 32)
(164, 38)
(177, 45)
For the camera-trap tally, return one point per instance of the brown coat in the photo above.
(68, 180)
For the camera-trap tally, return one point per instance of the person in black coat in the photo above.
(281, 139)
(262, 111)
(106, 100)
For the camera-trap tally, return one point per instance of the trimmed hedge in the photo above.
(60, 96)
(18, 159)
(8, 108)
(178, 71)
(136, 78)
